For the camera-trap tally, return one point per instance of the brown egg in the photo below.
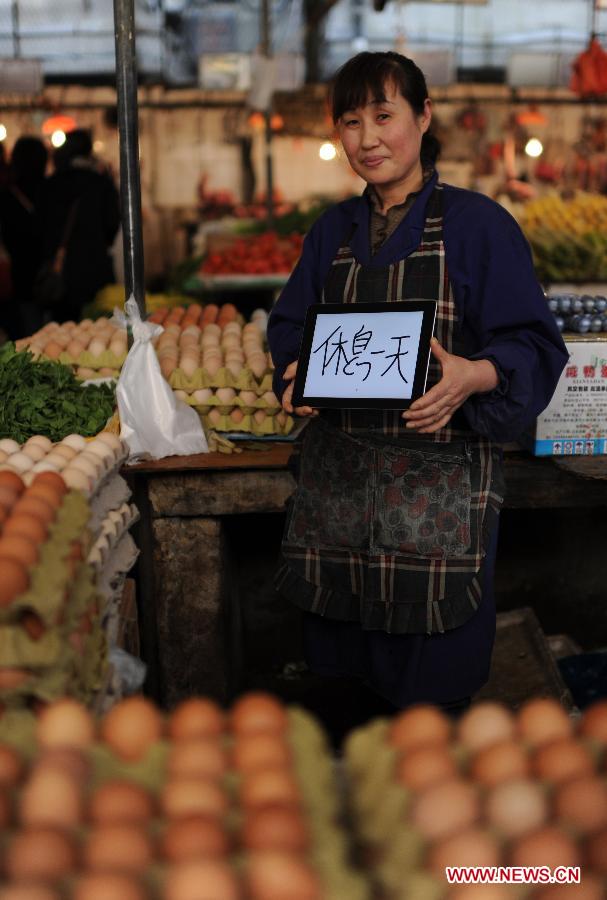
(256, 713)
(594, 722)
(52, 349)
(194, 838)
(19, 548)
(517, 807)
(120, 801)
(596, 852)
(481, 892)
(108, 886)
(6, 808)
(45, 491)
(15, 580)
(582, 803)
(562, 760)
(11, 766)
(261, 751)
(500, 762)
(28, 891)
(8, 496)
(269, 786)
(236, 415)
(548, 846)
(65, 723)
(35, 506)
(183, 797)
(196, 718)
(117, 848)
(419, 725)
(197, 758)
(542, 720)
(471, 847)
(131, 727)
(204, 879)
(70, 760)
(12, 481)
(590, 888)
(75, 348)
(425, 766)
(485, 724)
(43, 854)
(52, 480)
(50, 797)
(275, 828)
(271, 875)
(26, 526)
(442, 809)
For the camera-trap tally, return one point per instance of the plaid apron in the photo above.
(389, 528)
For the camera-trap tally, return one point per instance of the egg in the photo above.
(35, 506)
(225, 396)
(56, 460)
(425, 766)
(516, 807)
(202, 396)
(35, 452)
(117, 847)
(77, 480)
(193, 838)
(259, 416)
(112, 440)
(473, 847)
(265, 786)
(28, 891)
(236, 416)
(131, 727)
(183, 797)
(75, 348)
(76, 441)
(52, 349)
(256, 713)
(582, 803)
(167, 367)
(15, 579)
(445, 808)
(106, 885)
(68, 453)
(484, 724)
(101, 450)
(541, 720)
(71, 761)
(85, 372)
(8, 446)
(207, 879)
(188, 366)
(97, 346)
(275, 828)
(20, 462)
(234, 367)
(89, 467)
(27, 526)
(500, 762)
(589, 888)
(548, 846)
(196, 758)
(19, 548)
(51, 797)
(214, 417)
(486, 892)
(120, 801)
(8, 497)
(48, 481)
(419, 725)
(560, 760)
(43, 466)
(596, 852)
(257, 365)
(40, 854)
(3, 456)
(196, 717)
(12, 481)
(249, 398)
(65, 723)
(594, 722)
(11, 766)
(118, 346)
(272, 875)
(271, 399)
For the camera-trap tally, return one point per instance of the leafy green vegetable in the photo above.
(46, 398)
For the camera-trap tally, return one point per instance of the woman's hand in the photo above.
(460, 378)
(287, 405)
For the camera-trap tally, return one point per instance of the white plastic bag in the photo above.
(153, 421)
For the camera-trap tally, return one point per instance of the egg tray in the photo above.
(112, 494)
(111, 533)
(213, 402)
(248, 425)
(105, 360)
(245, 381)
(52, 574)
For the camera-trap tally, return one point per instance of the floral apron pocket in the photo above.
(331, 506)
(422, 502)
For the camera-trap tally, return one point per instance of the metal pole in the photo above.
(130, 186)
(266, 47)
(15, 27)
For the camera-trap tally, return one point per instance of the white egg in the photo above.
(3, 456)
(39, 440)
(45, 466)
(82, 464)
(34, 451)
(112, 440)
(101, 450)
(56, 460)
(74, 440)
(76, 480)
(20, 461)
(9, 446)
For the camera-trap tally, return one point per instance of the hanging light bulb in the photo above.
(327, 151)
(3, 132)
(534, 147)
(58, 138)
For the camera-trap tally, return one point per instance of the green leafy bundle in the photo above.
(46, 398)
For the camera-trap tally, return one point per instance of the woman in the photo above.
(390, 540)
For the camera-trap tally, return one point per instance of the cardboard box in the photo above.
(575, 421)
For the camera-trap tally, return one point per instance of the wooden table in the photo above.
(186, 590)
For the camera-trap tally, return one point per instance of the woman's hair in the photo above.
(28, 159)
(367, 74)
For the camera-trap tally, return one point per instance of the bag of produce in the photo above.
(154, 423)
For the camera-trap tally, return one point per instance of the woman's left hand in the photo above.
(460, 378)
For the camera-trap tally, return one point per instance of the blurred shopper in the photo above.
(20, 202)
(80, 219)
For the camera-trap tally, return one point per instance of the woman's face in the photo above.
(382, 140)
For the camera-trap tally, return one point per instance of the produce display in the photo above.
(496, 789)
(112, 296)
(264, 254)
(94, 349)
(203, 805)
(568, 237)
(579, 313)
(44, 398)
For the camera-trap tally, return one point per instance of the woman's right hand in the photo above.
(287, 405)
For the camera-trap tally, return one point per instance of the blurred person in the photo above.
(80, 211)
(20, 202)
